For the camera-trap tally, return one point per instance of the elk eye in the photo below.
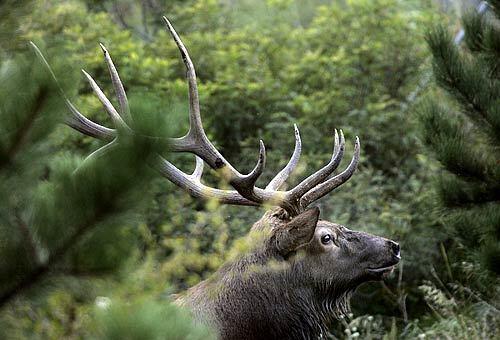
(325, 239)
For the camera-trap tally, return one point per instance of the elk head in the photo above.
(328, 253)
(327, 258)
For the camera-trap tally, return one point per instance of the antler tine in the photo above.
(334, 182)
(337, 141)
(115, 117)
(197, 189)
(101, 151)
(79, 122)
(88, 127)
(195, 124)
(320, 175)
(196, 141)
(245, 184)
(198, 170)
(283, 175)
(118, 85)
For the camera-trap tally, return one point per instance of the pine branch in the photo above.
(454, 143)
(23, 131)
(55, 256)
(454, 192)
(474, 27)
(465, 80)
(470, 191)
(482, 37)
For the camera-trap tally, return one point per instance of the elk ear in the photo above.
(297, 232)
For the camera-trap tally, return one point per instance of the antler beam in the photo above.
(196, 142)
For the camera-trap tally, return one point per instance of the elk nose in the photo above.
(395, 248)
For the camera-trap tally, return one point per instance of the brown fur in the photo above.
(290, 285)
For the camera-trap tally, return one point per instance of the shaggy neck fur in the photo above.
(262, 296)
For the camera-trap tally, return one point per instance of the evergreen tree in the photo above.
(51, 200)
(463, 129)
(62, 217)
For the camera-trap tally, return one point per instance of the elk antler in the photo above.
(196, 142)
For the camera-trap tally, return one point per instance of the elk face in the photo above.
(351, 256)
(329, 253)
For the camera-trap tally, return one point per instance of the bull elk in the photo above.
(300, 272)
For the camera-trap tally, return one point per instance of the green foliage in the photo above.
(465, 79)
(483, 39)
(147, 320)
(456, 312)
(29, 110)
(460, 312)
(63, 217)
(12, 14)
(43, 221)
(463, 132)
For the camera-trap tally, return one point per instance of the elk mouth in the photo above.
(382, 270)
(386, 268)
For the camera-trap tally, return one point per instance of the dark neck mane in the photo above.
(255, 298)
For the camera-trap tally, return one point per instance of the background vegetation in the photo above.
(262, 65)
